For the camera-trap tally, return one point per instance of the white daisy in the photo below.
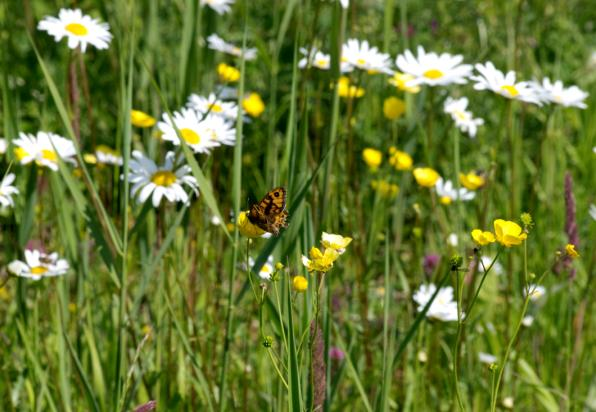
(3, 145)
(219, 130)
(557, 93)
(78, 28)
(320, 60)
(7, 190)
(448, 193)
(504, 84)
(213, 105)
(463, 118)
(107, 155)
(148, 179)
(536, 292)
(497, 268)
(44, 149)
(191, 129)
(433, 69)
(266, 270)
(38, 264)
(362, 56)
(487, 358)
(443, 308)
(219, 6)
(452, 240)
(217, 43)
(527, 321)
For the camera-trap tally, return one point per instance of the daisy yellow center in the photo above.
(216, 108)
(361, 62)
(446, 200)
(76, 29)
(49, 155)
(320, 62)
(511, 90)
(190, 136)
(20, 153)
(433, 74)
(460, 115)
(39, 270)
(163, 178)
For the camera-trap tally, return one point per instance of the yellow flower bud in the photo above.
(141, 119)
(425, 176)
(300, 283)
(372, 157)
(393, 108)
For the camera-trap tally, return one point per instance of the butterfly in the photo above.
(270, 213)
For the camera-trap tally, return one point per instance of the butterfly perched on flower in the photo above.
(270, 213)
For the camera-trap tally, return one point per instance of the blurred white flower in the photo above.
(3, 145)
(219, 6)
(44, 149)
(556, 93)
(107, 156)
(167, 181)
(592, 211)
(487, 358)
(213, 105)
(361, 55)
(433, 69)
(504, 84)
(464, 119)
(497, 268)
(448, 193)
(266, 270)
(78, 28)
(38, 264)
(7, 190)
(452, 240)
(443, 308)
(214, 42)
(536, 292)
(527, 321)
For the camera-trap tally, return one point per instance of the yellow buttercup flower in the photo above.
(482, 238)
(347, 90)
(571, 252)
(472, 181)
(246, 228)
(384, 188)
(336, 242)
(400, 160)
(509, 233)
(141, 119)
(320, 261)
(228, 74)
(372, 157)
(400, 81)
(300, 283)
(425, 176)
(253, 105)
(393, 108)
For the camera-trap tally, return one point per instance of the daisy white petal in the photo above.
(433, 69)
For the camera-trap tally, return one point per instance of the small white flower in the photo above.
(592, 211)
(3, 145)
(7, 191)
(362, 56)
(536, 292)
(266, 270)
(213, 105)
(216, 221)
(433, 69)
(422, 357)
(487, 358)
(79, 29)
(219, 6)
(316, 59)
(217, 43)
(107, 155)
(443, 308)
(556, 93)
(344, 3)
(167, 181)
(497, 268)
(336, 242)
(527, 321)
(38, 264)
(464, 119)
(452, 240)
(447, 193)
(44, 149)
(219, 130)
(191, 129)
(508, 402)
(504, 84)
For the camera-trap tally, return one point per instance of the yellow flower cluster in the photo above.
(400, 160)
(507, 233)
(253, 105)
(322, 260)
(347, 90)
(228, 74)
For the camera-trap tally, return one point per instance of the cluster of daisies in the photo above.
(432, 69)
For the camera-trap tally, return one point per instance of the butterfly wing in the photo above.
(270, 214)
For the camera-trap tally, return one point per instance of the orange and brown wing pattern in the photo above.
(270, 214)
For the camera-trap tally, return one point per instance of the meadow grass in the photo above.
(166, 306)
